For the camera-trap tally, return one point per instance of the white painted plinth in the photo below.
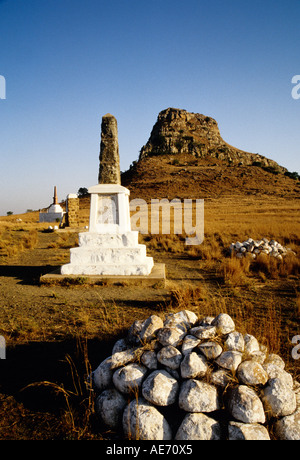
(110, 247)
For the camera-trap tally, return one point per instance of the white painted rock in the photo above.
(171, 335)
(150, 327)
(189, 343)
(221, 378)
(186, 316)
(198, 427)
(275, 371)
(235, 342)
(149, 359)
(198, 396)
(142, 421)
(224, 323)
(121, 358)
(109, 406)
(170, 356)
(288, 427)
(160, 388)
(252, 373)
(102, 375)
(193, 365)
(229, 360)
(211, 350)
(245, 406)
(279, 399)
(129, 378)
(247, 432)
(204, 332)
(251, 344)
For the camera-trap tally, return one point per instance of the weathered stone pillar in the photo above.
(72, 217)
(109, 171)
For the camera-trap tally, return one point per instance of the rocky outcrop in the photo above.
(178, 131)
(204, 380)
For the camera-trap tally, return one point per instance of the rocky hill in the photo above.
(186, 157)
(178, 131)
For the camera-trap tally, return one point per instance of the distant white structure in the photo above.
(55, 211)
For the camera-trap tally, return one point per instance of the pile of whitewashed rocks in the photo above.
(252, 248)
(188, 379)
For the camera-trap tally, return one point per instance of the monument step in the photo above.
(128, 239)
(86, 255)
(109, 269)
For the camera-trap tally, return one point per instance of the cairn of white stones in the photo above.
(185, 378)
(253, 248)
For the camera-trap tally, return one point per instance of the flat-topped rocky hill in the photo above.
(186, 157)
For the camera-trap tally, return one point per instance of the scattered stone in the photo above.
(199, 427)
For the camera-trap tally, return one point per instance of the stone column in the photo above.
(109, 171)
(72, 210)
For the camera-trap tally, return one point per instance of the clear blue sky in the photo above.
(69, 62)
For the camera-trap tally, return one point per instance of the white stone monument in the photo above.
(110, 247)
(54, 213)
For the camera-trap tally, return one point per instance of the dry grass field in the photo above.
(55, 334)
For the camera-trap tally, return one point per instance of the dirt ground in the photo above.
(57, 334)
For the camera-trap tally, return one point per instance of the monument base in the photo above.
(156, 278)
(108, 254)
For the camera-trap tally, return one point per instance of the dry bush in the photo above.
(235, 271)
(274, 268)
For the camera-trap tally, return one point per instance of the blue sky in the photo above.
(69, 62)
